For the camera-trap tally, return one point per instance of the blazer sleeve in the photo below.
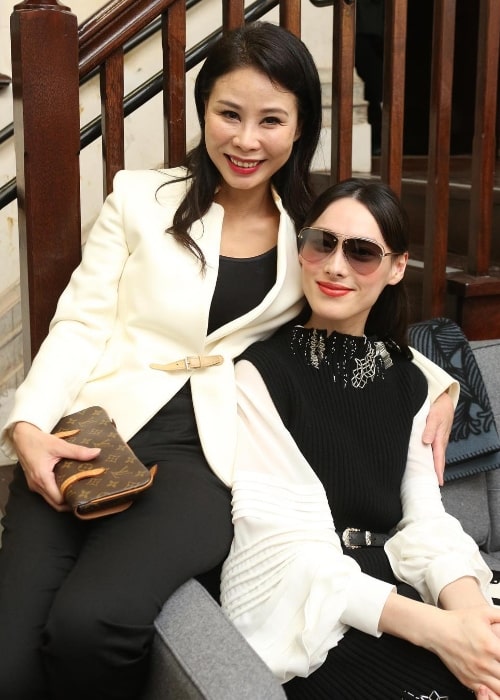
(81, 326)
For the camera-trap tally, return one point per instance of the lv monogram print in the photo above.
(108, 483)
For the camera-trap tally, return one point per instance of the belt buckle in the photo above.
(346, 538)
(189, 359)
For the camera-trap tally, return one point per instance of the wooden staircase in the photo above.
(452, 203)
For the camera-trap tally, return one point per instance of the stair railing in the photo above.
(48, 63)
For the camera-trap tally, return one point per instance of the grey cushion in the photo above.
(487, 354)
(198, 654)
(493, 486)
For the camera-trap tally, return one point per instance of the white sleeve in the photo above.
(286, 583)
(81, 326)
(438, 381)
(430, 548)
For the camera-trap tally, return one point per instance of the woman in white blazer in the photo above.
(181, 272)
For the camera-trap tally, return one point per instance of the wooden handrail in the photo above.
(113, 26)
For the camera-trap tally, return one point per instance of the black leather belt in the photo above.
(353, 538)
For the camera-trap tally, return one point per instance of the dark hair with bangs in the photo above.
(287, 62)
(388, 318)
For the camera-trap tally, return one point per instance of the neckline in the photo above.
(253, 258)
(354, 360)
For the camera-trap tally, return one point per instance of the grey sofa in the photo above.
(199, 654)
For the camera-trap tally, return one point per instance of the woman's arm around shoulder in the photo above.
(443, 392)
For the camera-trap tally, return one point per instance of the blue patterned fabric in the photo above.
(474, 443)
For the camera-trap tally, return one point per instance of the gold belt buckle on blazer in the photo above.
(190, 363)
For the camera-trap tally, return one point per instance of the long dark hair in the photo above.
(285, 59)
(388, 318)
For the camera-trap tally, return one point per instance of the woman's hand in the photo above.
(484, 693)
(38, 453)
(467, 642)
(437, 431)
(466, 639)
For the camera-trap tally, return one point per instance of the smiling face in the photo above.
(251, 125)
(340, 297)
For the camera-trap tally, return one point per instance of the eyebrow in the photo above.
(265, 110)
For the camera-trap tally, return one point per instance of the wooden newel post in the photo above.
(45, 87)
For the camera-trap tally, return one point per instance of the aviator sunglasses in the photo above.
(364, 255)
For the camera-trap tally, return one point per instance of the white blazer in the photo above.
(138, 298)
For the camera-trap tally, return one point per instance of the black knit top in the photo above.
(349, 403)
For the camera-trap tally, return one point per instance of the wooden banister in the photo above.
(50, 54)
(437, 197)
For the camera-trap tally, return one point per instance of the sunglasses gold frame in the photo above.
(359, 265)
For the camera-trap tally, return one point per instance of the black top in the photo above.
(350, 413)
(242, 283)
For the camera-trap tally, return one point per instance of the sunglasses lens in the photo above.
(316, 245)
(363, 256)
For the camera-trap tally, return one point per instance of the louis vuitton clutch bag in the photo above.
(110, 482)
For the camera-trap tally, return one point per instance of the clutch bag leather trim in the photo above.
(110, 482)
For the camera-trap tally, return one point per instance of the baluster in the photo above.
(233, 14)
(391, 166)
(342, 87)
(174, 83)
(112, 93)
(290, 15)
(438, 174)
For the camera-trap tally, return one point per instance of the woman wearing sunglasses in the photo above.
(346, 574)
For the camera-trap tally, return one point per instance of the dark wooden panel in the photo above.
(47, 144)
(436, 212)
(484, 144)
(393, 97)
(344, 13)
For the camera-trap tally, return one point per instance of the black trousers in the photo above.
(78, 599)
